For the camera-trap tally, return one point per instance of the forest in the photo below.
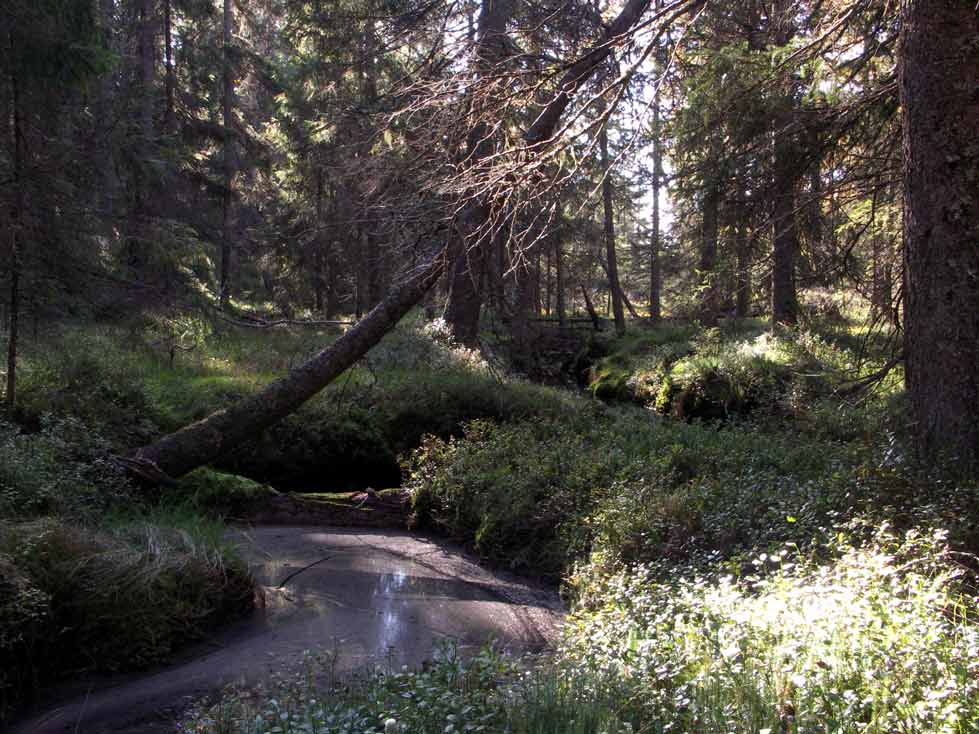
(576, 366)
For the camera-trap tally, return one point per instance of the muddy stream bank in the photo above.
(369, 596)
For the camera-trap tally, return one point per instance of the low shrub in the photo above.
(879, 640)
(539, 494)
(91, 377)
(509, 490)
(64, 468)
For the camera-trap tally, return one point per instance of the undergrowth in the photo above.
(880, 638)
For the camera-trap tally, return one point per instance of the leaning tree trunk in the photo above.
(208, 439)
(939, 71)
(201, 442)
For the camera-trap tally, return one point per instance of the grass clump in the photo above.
(121, 597)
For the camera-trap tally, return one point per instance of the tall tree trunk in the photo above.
(785, 306)
(226, 198)
(708, 255)
(615, 288)
(742, 296)
(16, 223)
(785, 236)
(105, 155)
(465, 294)
(559, 302)
(523, 341)
(170, 80)
(938, 73)
(319, 265)
(138, 227)
(655, 272)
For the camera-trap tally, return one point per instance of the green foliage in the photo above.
(509, 490)
(489, 692)
(879, 640)
(63, 468)
(538, 494)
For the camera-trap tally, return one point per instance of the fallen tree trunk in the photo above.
(206, 440)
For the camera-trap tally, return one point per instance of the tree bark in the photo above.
(742, 296)
(615, 288)
(655, 273)
(170, 81)
(708, 254)
(16, 221)
(228, 162)
(559, 302)
(785, 307)
(939, 70)
(596, 322)
(466, 292)
(785, 236)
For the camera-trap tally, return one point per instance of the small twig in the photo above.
(293, 575)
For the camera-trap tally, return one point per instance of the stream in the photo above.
(367, 596)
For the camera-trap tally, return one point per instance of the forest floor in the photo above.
(708, 500)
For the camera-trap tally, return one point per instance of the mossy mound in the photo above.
(220, 493)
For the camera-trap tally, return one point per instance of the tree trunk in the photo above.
(523, 341)
(16, 221)
(655, 273)
(615, 289)
(596, 322)
(938, 73)
(465, 293)
(170, 80)
(138, 226)
(106, 190)
(742, 296)
(204, 441)
(559, 281)
(785, 236)
(226, 198)
(319, 275)
(785, 307)
(708, 255)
